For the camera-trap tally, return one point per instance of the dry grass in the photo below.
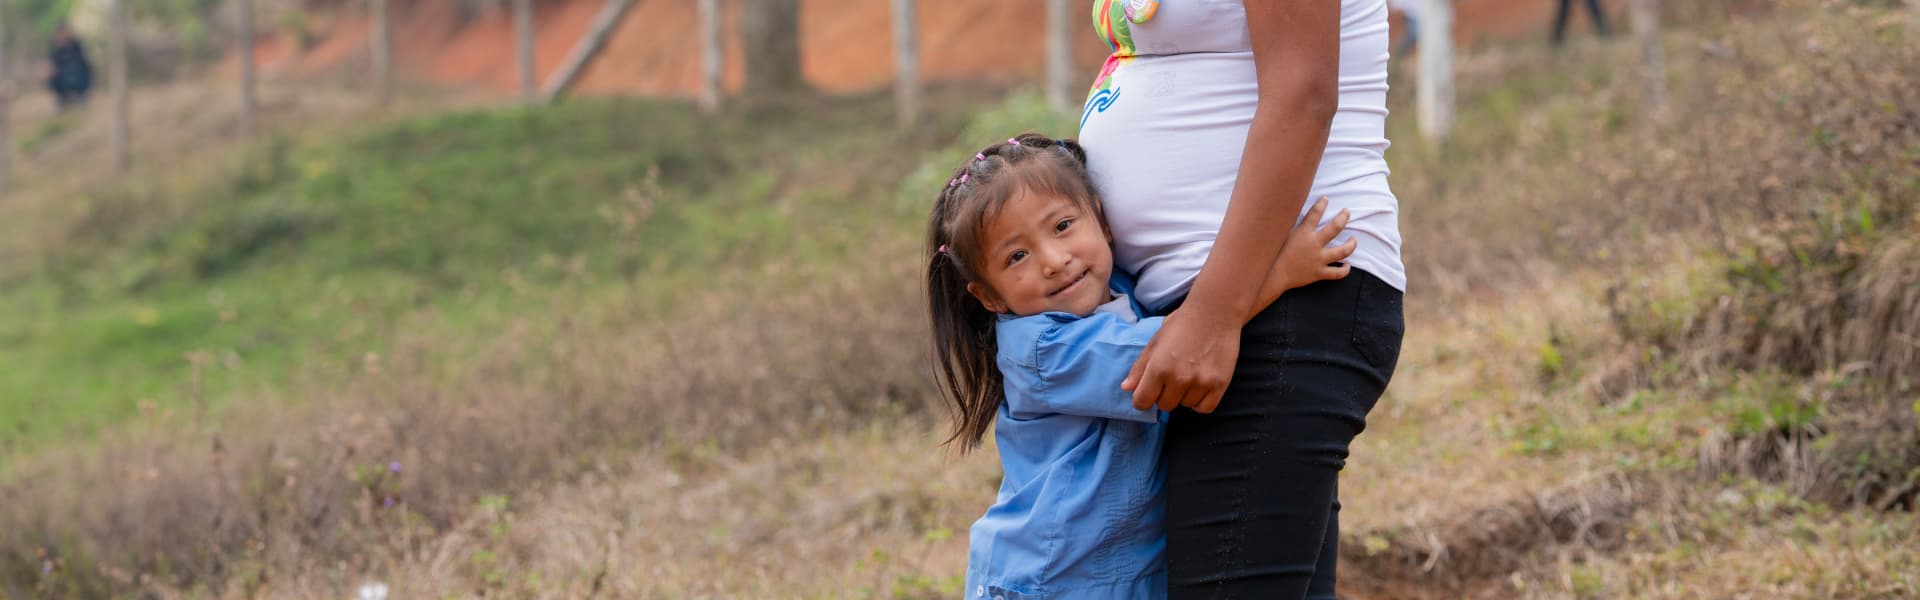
(309, 483)
(868, 512)
(1541, 440)
(831, 516)
(1740, 540)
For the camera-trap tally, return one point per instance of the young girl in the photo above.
(1033, 334)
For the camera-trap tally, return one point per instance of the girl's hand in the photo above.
(1306, 259)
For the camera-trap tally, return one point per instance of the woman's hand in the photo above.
(1188, 363)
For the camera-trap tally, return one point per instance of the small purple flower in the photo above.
(46, 567)
(389, 502)
(393, 467)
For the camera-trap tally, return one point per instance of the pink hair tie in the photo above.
(979, 157)
(943, 249)
(1014, 141)
(963, 177)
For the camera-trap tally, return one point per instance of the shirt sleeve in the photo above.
(1075, 368)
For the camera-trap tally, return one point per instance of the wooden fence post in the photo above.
(583, 53)
(6, 102)
(117, 85)
(382, 53)
(906, 64)
(712, 56)
(1435, 89)
(1059, 56)
(248, 103)
(770, 44)
(523, 36)
(1646, 28)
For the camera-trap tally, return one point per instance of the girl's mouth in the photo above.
(1071, 284)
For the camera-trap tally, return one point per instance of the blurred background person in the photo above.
(1409, 18)
(68, 74)
(1560, 20)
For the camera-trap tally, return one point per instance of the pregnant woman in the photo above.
(1206, 132)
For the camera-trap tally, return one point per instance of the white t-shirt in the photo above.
(1166, 124)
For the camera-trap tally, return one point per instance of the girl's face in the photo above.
(1043, 253)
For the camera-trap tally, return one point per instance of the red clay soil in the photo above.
(845, 44)
(1487, 20)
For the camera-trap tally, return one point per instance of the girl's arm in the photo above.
(1075, 367)
(1296, 55)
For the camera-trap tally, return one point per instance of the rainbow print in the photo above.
(1114, 20)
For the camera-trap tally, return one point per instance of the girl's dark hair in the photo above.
(963, 330)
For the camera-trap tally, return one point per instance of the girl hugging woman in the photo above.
(1035, 333)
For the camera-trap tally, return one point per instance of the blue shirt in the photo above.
(1079, 513)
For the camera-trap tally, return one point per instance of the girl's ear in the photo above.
(986, 298)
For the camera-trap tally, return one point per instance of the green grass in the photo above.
(312, 255)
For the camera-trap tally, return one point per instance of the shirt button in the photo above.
(980, 590)
(999, 597)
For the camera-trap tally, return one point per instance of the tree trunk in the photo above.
(712, 56)
(523, 36)
(770, 32)
(248, 103)
(1434, 94)
(1646, 28)
(582, 54)
(1059, 55)
(906, 64)
(382, 54)
(117, 84)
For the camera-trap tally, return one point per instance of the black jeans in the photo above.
(1560, 19)
(1252, 489)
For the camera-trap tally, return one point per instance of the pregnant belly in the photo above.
(1164, 150)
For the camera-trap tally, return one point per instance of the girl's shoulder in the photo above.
(1017, 339)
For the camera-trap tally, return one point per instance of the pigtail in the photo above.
(1072, 148)
(964, 343)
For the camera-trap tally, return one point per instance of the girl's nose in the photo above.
(1056, 260)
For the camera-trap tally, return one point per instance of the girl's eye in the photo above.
(1017, 256)
(1063, 225)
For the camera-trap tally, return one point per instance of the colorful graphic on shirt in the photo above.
(1114, 20)
(1098, 102)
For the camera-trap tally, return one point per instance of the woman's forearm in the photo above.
(1284, 144)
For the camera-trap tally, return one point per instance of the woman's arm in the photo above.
(1296, 55)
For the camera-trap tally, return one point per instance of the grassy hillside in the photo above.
(619, 349)
(308, 255)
